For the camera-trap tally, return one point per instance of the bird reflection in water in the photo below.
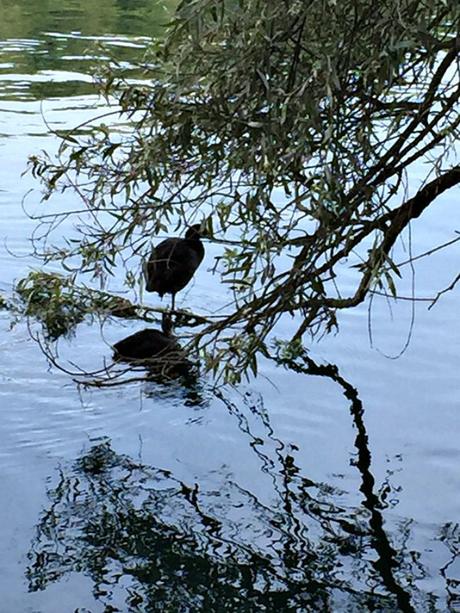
(159, 353)
(150, 346)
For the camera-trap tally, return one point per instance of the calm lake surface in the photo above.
(283, 495)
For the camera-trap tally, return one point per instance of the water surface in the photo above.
(282, 495)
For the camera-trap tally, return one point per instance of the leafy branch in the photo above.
(294, 130)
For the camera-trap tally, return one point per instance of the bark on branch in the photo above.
(398, 220)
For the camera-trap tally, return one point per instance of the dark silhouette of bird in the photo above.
(148, 344)
(164, 359)
(156, 350)
(173, 263)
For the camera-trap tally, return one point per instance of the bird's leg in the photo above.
(173, 303)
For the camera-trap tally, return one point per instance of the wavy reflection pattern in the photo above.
(151, 542)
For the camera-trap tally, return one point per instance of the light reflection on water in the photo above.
(260, 454)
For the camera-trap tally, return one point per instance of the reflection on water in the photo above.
(25, 19)
(275, 498)
(158, 356)
(149, 541)
(50, 49)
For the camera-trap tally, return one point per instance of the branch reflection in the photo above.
(150, 541)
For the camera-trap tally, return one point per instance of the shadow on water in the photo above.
(150, 541)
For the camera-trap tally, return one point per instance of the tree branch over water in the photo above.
(295, 131)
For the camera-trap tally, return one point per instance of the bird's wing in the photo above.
(164, 263)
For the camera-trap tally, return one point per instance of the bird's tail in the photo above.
(149, 278)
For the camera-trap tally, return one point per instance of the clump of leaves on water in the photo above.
(60, 305)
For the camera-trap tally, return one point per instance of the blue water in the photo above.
(233, 454)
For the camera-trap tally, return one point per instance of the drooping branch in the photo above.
(392, 224)
(292, 127)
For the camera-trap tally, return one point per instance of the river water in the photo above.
(290, 493)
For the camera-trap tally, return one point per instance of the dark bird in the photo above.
(165, 361)
(158, 351)
(173, 263)
(148, 344)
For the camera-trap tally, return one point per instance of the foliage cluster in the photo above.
(293, 127)
(60, 306)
